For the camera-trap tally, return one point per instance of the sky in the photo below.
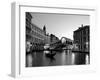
(61, 25)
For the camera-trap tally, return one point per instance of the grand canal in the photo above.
(36, 59)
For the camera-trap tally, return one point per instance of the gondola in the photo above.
(50, 54)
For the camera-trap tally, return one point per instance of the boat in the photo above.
(51, 54)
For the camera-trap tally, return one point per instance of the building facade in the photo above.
(35, 35)
(28, 26)
(82, 38)
(53, 39)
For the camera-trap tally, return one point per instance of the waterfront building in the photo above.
(81, 38)
(53, 38)
(47, 41)
(33, 32)
(35, 35)
(38, 35)
(28, 27)
(47, 36)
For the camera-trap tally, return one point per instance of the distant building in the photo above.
(47, 36)
(82, 38)
(47, 39)
(54, 41)
(53, 38)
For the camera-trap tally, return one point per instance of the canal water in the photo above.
(36, 59)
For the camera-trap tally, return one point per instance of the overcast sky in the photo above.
(59, 24)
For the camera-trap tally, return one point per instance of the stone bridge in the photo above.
(63, 43)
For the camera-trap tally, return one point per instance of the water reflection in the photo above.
(87, 59)
(29, 60)
(53, 58)
(73, 58)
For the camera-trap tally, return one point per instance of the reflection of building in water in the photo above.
(87, 59)
(29, 60)
(81, 38)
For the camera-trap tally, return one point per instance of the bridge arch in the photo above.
(65, 40)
